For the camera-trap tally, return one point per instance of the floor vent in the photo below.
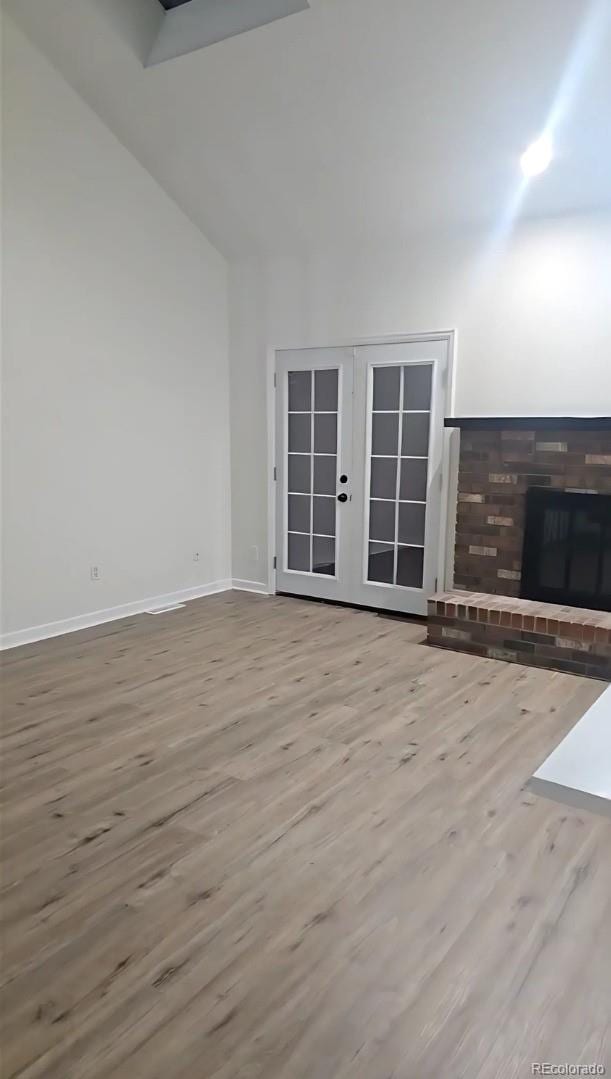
(164, 610)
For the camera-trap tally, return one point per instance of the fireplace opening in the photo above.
(566, 556)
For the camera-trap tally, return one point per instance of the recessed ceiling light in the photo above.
(537, 156)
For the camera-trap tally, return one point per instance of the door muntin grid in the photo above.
(398, 454)
(313, 422)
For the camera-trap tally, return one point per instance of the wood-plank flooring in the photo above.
(260, 838)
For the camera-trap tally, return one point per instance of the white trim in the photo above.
(110, 614)
(165, 610)
(271, 468)
(250, 586)
(449, 477)
(388, 339)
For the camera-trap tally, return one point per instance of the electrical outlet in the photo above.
(95, 573)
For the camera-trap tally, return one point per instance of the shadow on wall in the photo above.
(137, 23)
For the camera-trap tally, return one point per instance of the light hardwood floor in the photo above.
(269, 839)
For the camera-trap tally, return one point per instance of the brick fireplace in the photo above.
(496, 468)
(500, 460)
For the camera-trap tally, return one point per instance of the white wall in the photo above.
(116, 423)
(116, 399)
(533, 317)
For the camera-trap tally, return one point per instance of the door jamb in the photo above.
(448, 474)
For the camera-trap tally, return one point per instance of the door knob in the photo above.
(343, 497)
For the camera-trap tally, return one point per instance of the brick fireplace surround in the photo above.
(499, 460)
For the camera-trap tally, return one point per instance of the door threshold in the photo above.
(382, 612)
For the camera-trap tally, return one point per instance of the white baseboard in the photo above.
(111, 614)
(250, 586)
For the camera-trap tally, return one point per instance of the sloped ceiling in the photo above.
(197, 24)
(357, 122)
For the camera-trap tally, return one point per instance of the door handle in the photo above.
(343, 497)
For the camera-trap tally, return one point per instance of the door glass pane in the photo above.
(324, 515)
(300, 432)
(325, 390)
(385, 433)
(413, 479)
(300, 391)
(323, 552)
(383, 477)
(417, 386)
(410, 561)
(400, 416)
(382, 521)
(415, 441)
(411, 523)
(299, 513)
(299, 474)
(386, 384)
(325, 475)
(325, 432)
(381, 563)
(298, 552)
(311, 470)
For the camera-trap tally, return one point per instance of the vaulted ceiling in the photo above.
(356, 122)
(196, 24)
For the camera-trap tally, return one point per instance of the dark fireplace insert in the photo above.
(566, 557)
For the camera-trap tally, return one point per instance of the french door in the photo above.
(359, 434)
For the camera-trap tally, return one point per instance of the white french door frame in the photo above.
(448, 455)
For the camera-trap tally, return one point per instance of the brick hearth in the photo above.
(522, 631)
(499, 461)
